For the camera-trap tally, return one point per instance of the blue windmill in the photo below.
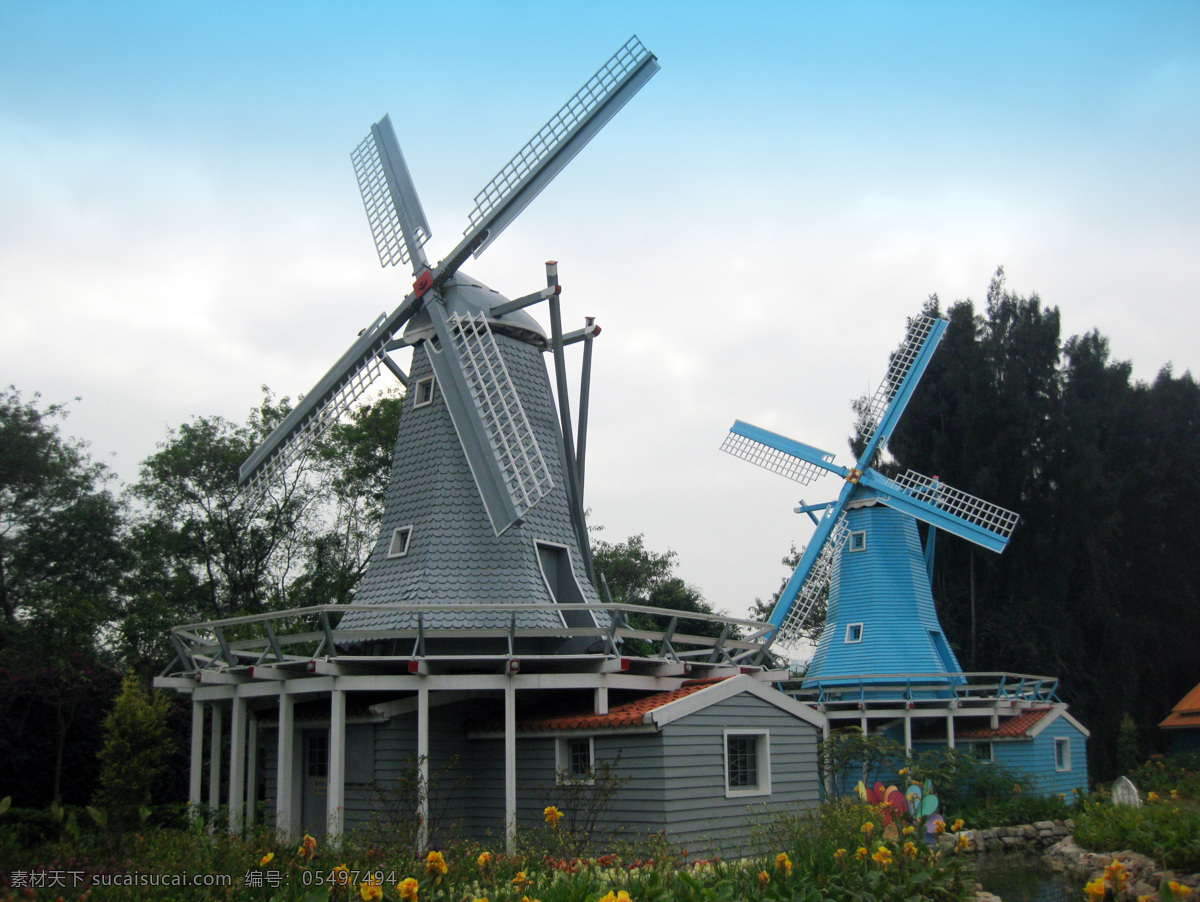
(866, 550)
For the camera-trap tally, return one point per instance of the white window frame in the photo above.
(407, 532)
(1063, 742)
(858, 534)
(421, 383)
(849, 631)
(977, 747)
(562, 761)
(762, 755)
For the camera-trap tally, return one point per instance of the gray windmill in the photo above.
(485, 500)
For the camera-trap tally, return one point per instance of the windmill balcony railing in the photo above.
(302, 635)
(940, 690)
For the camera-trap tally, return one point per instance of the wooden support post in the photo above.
(336, 782)
(196, 771)
(908, 731)
(251, 770)
(826, 732)
(285, 818)
(950, 729)
(601, 700)
(237, 766)
(423, 768)
(510, 767)
(214, 759)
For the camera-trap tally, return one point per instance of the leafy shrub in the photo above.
(1180, 773)
(1164, 830)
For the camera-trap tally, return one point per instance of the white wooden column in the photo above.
(510, 767)
(285, 818)
(196, 772)
(601, 701)
(423, 768)
(950, 729)
(336, 781)
(214, 759)
(251, 770)
(237, 766)
(908, 731)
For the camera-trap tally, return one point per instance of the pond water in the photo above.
(1025, 878)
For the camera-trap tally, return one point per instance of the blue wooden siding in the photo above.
(885, 587)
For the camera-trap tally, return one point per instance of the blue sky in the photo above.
(180, 223)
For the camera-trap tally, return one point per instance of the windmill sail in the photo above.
(394, 211)
(815, 584)
(789, 458)
(905, 368)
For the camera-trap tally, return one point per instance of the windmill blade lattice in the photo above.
(958, 503)
(310, 419)
(819, 577)
(391, 203)
(762, 455)
(899, 367)
(521, 463)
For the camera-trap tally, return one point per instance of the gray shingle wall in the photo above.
(453, 556)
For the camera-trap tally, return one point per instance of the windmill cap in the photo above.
(465, 295)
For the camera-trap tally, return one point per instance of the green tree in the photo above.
(137, 744)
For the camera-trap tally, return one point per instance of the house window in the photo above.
(858, 540)
(575, 759)
(400, 538)
(1062, 754)
(316, 755)
(423, 392)
(854, 633)
(982, 751)
(747, 763)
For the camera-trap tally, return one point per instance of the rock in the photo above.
(1141, 888)
(981, 896)
(1037, 825)
(1028, 831)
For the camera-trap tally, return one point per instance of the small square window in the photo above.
(1062, 754)
(423, 392)
(747, 764)
(982, 751)
(400, 538)
(854, 633)
(317, 755)
(858, 540)
(575, 759)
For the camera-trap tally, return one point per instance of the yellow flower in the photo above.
(484, 860)
(1153, 797)
(1174, 793)
(783, 863)
(308, 847)
(618, 896)
(939, 827)
(266, 859)
(522, 880)
(480, 899)
(909, 830)
(1016, 787)
(339, 876)
(1116, 876)
(861, 853)
(408, 889)
(435, 864)
(963, 844)
(883, 857)
(1095, 890)
(763, 879)
(372, 890)
(840, 856)
(553, 816)
(868, 828)
(958, 825)
(527, 899)
(910, 849)
(1180, 890)
(903, 771)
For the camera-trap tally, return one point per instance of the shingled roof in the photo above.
(1014, 728)
(1186, 713)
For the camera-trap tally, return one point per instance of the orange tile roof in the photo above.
(1014, 728)
(628, 714)
(1186, 713)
